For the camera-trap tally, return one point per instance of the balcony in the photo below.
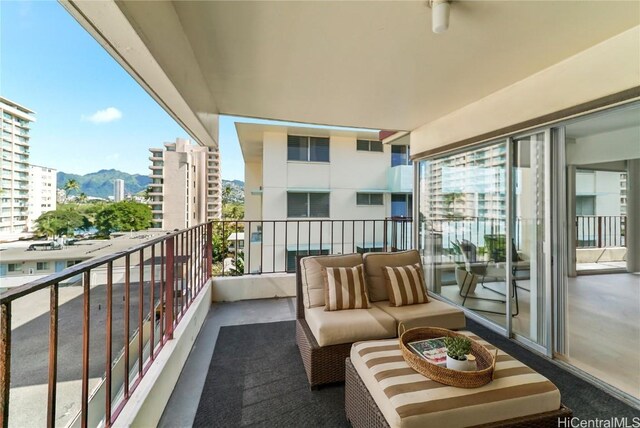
(171, 278)
(400, 179)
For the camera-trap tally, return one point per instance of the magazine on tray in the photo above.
(432, 350)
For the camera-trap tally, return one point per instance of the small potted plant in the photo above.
(457, 349)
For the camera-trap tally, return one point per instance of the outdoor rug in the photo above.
(256, 378)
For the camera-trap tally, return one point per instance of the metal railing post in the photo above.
(210, 250)
(599, 231)
(5, 362)
(170, 287)
(53, 356)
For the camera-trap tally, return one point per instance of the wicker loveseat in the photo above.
(325, 338)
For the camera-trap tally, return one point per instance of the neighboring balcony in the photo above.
(400, 179)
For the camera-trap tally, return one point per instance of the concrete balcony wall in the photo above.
(249, 287)
(147, 402)
(400, 179)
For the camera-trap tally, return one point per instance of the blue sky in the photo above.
(90, 114)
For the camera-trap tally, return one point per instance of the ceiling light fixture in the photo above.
(439, 15)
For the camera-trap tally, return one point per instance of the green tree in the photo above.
(238, 268)
(232, 211)
(123, 216)
(60, 222)
(82, 198)
(450, 200)
(70, 186)
(227, 194)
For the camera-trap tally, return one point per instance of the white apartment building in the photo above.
(42, 192)
(14, 167)
(185, 185)
(322, 175)
(118, 190)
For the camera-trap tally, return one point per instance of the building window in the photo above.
(307, 204)
(585, 205)
(401, 205)
(307, 149)
(13, 267)
(292, 254)
(369, 199)
(73, 262)
(369, 146)
(42, 265)
(400, 155)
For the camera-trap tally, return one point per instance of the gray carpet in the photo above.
(256, 378)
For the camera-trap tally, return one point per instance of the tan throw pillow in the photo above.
(405, 285)
(344, 288)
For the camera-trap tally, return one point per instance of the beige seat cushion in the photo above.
(408, 399)
(433, 314)
(373, 264)
(349, 325)
(313, 278)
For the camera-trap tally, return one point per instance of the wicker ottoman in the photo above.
(381, 390)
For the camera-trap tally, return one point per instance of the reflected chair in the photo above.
(473, 266)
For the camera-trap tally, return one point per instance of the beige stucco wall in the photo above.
(174, 187)
(231, 289)
(252, 186)
(605, 69)
(348, 172)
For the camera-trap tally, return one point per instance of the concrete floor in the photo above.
(181, 408)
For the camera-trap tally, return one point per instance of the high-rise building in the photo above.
(14, 167)
(185, 185)
(42, 192)
(118, 190)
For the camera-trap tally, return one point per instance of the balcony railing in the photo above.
(271, 246)
(166, 273)
(130, 302)
(600, 231)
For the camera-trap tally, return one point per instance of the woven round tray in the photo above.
(482, 376)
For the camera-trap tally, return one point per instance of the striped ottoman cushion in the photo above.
(409, 399)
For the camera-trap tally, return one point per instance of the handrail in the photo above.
(184, 269)
(70, 272)
(270, 246)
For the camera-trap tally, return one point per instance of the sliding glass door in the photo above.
(530, 235)
(484, 233)
(490, 216)
(462, 228)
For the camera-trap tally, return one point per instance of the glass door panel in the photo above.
(528, 231)
(462, 228)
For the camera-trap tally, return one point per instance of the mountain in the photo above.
(236, 194)
(100, 184)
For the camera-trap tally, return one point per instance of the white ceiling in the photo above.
(368, 64)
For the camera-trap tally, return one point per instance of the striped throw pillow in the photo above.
(405, 285)
(344, 288)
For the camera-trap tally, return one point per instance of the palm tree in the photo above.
(146, 194)
(82, 198)
(45, 227)
(450, 200)
(226, 194)
(70, 186)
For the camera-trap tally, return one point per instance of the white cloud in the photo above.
(103, 116)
